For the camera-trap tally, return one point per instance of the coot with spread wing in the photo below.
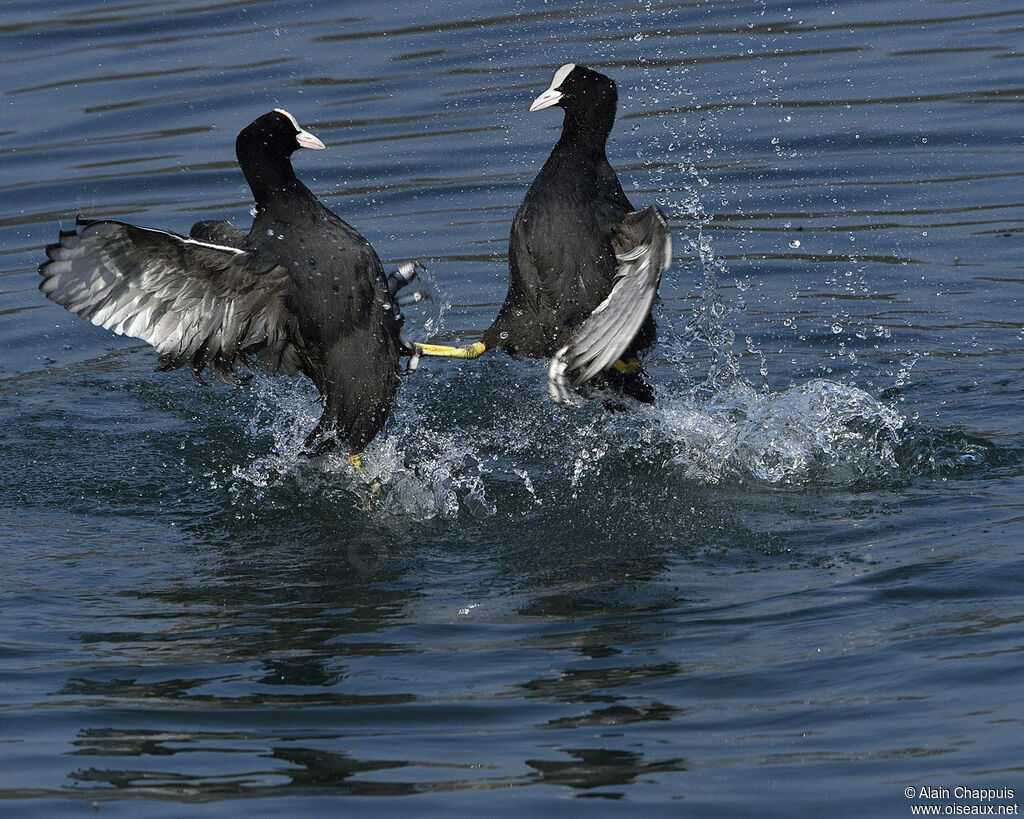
(584, 264)
(302, 291)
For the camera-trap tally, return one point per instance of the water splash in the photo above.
(475, 441)
(724, 429)
(531, 455)
(819, 432)
(421, 474)
(414, 470)
(709, 325)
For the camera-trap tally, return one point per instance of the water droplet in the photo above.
(837, 328)
(795, 244)
(503, 335)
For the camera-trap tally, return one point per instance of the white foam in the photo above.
(818, 431)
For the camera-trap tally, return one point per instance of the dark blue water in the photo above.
(793, 584)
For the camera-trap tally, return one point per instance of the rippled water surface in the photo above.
(793, 582)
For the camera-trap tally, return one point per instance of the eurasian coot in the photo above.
(302, 291)
(584, 265)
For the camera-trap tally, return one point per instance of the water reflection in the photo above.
(293, 769)
(304, 770)
(592, 768)
(619, 715)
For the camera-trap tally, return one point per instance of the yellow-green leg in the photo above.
(474, 350)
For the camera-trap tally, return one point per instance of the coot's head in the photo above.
(588, 97)
(275, 133)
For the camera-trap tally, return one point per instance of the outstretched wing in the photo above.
(643, 250)
(195, 302)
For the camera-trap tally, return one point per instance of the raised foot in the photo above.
(474, 350)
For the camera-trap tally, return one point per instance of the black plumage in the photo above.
(584, 265)
(302, 291)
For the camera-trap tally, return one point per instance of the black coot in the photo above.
(302, 291)
(584, 266)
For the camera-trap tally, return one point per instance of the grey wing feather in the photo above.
(195, 302)
(559, 388)
(219, 232)
(643, 250)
